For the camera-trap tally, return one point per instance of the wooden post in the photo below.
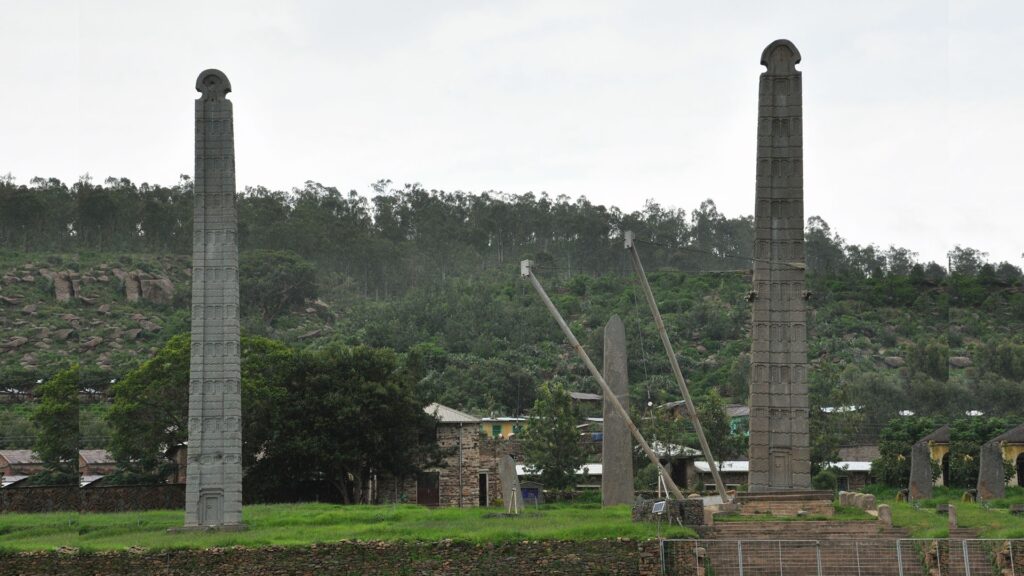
(690, 408)
(525, 270)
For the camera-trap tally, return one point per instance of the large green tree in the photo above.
(149, 413)
(274, 282)
(56, 420)
(551, 443)
(349, 413)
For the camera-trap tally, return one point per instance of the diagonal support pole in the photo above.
(660, 323)
(527, 272)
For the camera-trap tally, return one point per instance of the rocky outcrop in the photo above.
(960, 361)
(895, 362)
(13, 342)
(143, 286)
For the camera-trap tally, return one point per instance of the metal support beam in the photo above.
(676, 371)
(525, 270)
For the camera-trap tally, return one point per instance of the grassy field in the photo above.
(990, 521)
(993, 520)
(300, 524)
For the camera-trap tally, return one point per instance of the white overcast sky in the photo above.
(913, 111)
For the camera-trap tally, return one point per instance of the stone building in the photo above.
(458, 481)
(96, 463)
(19, 463)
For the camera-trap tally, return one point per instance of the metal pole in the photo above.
(856, 545)
(1013, 564)
(967, 559)
(608, 394)
(660, 323)
(817, 554)
(661, 553)
(899, 556)
(739, 554)
(780, 557)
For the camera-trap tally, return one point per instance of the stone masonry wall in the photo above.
(450, 488)
(92, 499)
(492, 450)
(613, 557)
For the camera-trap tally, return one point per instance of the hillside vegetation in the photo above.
(434, 275)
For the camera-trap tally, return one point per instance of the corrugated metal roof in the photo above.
(586, 469)
(727, 466)
(19, 457)
(96, 456)
(8, 480)
(586, 396)
(744, 466)
(449, 415)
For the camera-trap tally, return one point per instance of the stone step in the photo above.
(800, 530)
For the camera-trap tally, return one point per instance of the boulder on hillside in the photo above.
(29, 310)
(157, 290)
(960, 361)
(132, 334)
(63, 288)
(149, 326)
(10, 300)
(9, 279)
(104, 309)
(13, 342)
(28, 278)
(63, 334)
(895, 362)
(92, 343)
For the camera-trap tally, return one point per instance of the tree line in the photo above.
(403, 237)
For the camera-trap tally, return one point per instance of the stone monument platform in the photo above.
(785, 503)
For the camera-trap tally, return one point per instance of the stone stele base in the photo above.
(788, 503)
(219, 528)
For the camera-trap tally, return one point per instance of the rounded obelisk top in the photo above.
(213, 84)
(780, 57)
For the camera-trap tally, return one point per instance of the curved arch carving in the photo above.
(213, 84)
(780, 57)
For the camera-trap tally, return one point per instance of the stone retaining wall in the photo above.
(612, 557)
(92, 498)
(690, 512)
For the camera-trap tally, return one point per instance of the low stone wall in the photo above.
(612, 557)
(132, 498)
(812, 502)
(92, 499)
(690, 512)
(39, 499)
(857, 499)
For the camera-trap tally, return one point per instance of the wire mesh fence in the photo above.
(902, 557)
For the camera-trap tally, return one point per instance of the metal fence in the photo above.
(904, 557)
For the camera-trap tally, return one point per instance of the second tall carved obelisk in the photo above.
(779, 442)
(213, 493)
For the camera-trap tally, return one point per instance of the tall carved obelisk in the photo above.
(213, 493)
(779, 441)
(616, 440)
